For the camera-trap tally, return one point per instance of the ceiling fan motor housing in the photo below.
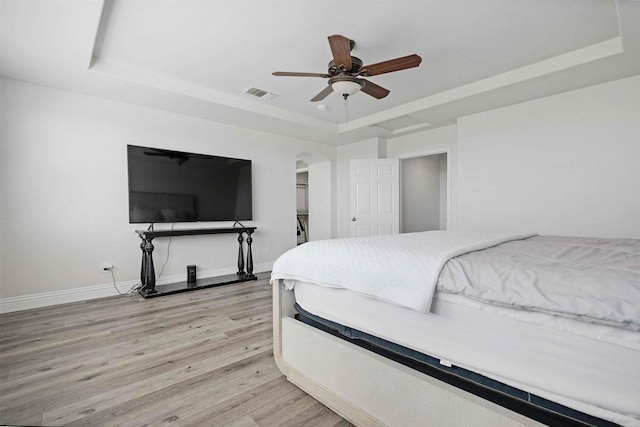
(356, 64)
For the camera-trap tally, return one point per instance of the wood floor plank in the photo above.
(47, 347)
(145, 409)
(121, 349)
(45, 372)
(191, 359)
(245, 421)
(216, 388)
(249, 402)
(114, 397)
(283, 414)
(317, 415)
(77, 383)
(29, 355)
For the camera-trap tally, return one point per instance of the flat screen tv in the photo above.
(174, 186)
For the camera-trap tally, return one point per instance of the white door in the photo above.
(375, 198)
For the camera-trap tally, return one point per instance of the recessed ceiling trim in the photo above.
(146, 77)
(409, 129)
(105, 7)
(561, 62)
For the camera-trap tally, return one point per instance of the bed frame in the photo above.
(367, 389)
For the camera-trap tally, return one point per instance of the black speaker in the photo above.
(191, 274)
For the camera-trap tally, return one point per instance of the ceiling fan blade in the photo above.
(391, 65)
(341, 50)
(294, 74)
(323, 94)
(374, 90)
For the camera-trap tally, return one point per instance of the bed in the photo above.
(454, 328)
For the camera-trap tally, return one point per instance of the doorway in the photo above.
(302, 202)
(313, 196)
(424, 194)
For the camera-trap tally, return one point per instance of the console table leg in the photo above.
(149, 271)
(143, 264)
(249, 254)
(240, 255)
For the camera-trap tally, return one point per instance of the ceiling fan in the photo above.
(346, 72)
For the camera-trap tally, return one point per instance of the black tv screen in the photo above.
(174, 186)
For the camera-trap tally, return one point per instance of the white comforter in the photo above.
(402, 269)
(589, 279)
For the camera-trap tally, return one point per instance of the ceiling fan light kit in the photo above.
(345, 72)
(346, 86)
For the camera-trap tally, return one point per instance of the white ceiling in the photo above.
(197, 57)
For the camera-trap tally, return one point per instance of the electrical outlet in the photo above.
(106, 266)
(267, 251)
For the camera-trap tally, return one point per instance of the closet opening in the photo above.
(424, 193)
(302, 202)
(313, 197)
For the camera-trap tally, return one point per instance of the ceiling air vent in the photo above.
(263, 94)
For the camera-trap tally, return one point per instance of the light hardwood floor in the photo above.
(200, 358)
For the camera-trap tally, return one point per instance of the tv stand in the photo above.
(147, 271)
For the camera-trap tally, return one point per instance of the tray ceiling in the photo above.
(197, 58)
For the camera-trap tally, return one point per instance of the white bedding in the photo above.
(402, 269)
(592, 280)
(594, 376)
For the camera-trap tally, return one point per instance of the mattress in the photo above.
(589, 279)
(558, 360)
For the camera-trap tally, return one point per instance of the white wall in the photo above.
(443, 191)
(63, 189)
(423, 143)
(565, 164)
(319, 201)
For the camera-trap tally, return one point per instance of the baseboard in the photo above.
(45, 299)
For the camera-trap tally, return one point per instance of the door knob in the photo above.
(354, 219)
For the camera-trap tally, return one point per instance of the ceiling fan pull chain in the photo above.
(346, 107)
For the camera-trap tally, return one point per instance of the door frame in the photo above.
(434, 152)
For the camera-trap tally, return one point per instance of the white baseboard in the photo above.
(45, 299)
